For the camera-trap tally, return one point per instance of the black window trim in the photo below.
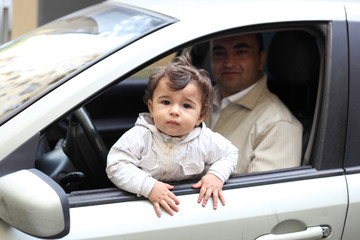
(115, 195)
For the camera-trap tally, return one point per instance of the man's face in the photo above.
(236, 63)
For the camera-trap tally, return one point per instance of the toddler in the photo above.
(171, 143)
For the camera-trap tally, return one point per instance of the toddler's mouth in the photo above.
(172, 122)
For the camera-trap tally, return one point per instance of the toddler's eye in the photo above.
(165, 102)
(187, 106)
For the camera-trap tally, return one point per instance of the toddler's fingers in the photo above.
(201, 194)
(169, 186)
(167, 207)
(197, 185)
(206, 197)
(222, 198)
(174, 198)
(157, 209)
(215, 199)
(173, 205)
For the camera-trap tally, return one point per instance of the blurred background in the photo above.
(20, 16)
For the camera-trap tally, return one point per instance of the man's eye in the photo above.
(218, 54)
(242, 51)
(187, 106)
(165, 102)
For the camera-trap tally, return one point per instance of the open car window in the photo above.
(125, 102)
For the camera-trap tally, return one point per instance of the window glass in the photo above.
(145, 72)
(34, 62)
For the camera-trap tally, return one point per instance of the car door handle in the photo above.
(311, 233)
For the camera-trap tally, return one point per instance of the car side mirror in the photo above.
(33, 203)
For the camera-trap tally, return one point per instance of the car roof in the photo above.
(243, 10)
(183, 9)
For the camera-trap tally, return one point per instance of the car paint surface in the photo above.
(296, 199)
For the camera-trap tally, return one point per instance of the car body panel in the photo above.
(242, 12)
(291, 200)
(244, 209)
(353, 217)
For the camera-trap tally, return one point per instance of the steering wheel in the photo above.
(92, 134)
(86, 149)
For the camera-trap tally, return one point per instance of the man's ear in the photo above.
(150, 106)
(262, 60)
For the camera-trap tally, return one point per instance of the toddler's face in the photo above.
(176, 113)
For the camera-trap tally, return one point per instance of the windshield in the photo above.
(36, 62)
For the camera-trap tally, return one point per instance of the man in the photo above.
(267, 135)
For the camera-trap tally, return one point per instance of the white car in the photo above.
(71, 88)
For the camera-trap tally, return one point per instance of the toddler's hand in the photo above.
(161, 195)
(210, 185)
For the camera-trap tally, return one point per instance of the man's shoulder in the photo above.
(271, 109)
(269, 99)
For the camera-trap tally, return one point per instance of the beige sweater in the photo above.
(267, 135)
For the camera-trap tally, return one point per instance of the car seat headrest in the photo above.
(293, 58)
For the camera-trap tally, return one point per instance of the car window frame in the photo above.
(352, 155)
(328, 163)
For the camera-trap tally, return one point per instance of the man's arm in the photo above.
(279, 146)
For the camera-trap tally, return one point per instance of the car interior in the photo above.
(293, 64)
(74, 150)
(295, 71)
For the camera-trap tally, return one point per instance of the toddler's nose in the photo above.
(174, 111)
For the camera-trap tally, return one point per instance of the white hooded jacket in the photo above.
(144, 155)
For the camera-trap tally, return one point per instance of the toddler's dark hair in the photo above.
(180, 72)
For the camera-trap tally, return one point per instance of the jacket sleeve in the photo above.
(278, 146)
(222, 157)
(122, 163)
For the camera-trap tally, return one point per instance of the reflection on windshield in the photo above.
(33, 63)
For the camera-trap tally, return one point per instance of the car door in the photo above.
(352, 157)
(308, 202)
(305, 203)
